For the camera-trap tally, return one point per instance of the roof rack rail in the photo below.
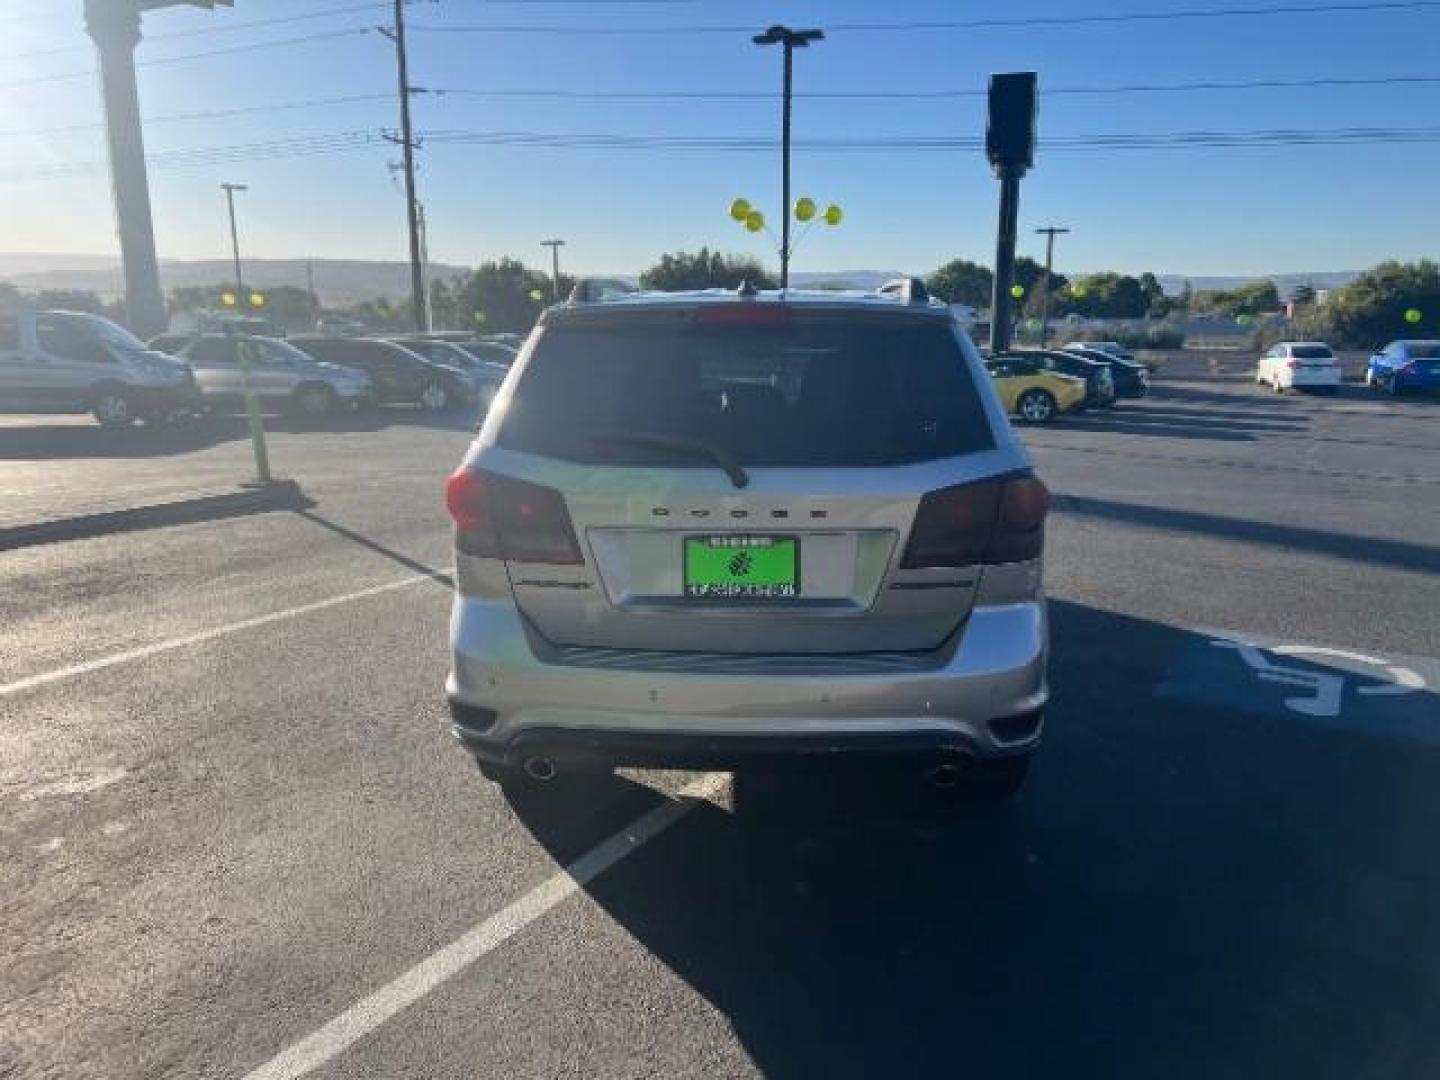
(909, 290)
(597, 290)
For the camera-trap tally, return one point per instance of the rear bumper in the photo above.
(1300, 380)
(982, 696)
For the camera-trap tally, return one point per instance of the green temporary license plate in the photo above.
(733, 566)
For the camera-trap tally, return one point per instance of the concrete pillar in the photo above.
(115, 27)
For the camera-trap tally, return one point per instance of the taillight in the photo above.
(993, 521)
(1293, 365)
(501, 517)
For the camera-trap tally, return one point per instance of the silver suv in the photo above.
(698, 529)
(280, 374)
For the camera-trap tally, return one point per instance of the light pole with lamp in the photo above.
(790, 40)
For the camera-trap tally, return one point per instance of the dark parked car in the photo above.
(1132, 378)
(1099, 383)
(396, 374)
(487, 374)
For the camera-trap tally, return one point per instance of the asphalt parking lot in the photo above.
(236, 841)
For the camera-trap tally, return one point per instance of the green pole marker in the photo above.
(252, 414)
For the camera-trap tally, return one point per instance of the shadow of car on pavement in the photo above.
(1181, 890)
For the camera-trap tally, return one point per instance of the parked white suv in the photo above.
(74, 362)
(701, 528)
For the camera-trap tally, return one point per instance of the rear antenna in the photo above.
(746, 289)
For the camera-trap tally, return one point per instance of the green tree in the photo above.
(1372, 309)
(69, 300)
(502, 295)
(705, 269)
(1251, 299)
(1108, 296)
(961, 281)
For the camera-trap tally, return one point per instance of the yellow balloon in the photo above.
(257, 299)
(834, 215)
(1017, 291)
(804, 208)
(536, 294)
(754, 221)
(227, 299)
(740, 209)
(480, 318)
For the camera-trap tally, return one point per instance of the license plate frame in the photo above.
(709, 573)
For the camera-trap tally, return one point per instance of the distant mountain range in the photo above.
(337, 281)
(346, 281)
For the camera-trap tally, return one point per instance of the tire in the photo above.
(112, 408)
(314, 402)
(435, 397)
(1037, 406)
(1392, 387)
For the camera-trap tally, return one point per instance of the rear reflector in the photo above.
(500, 517)
(993, 521)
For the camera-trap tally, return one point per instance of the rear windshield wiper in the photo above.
(682, 443)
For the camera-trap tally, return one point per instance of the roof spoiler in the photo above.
(597, 290)
(908, 290)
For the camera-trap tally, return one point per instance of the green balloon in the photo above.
(1414, 315)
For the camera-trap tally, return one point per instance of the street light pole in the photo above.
(1049, 232)
(789, 40)
(242, 351)
(230, 190)
(554, 246)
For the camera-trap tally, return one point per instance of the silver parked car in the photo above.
(702, 528)
(281, 375)
(72, 361)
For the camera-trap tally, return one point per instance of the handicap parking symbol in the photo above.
(1323, 692)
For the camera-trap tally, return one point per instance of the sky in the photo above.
(1197, 211)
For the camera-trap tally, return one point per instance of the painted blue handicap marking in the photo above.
(1268, 677)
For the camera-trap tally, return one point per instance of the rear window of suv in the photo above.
(1311, 352)
(806, 392)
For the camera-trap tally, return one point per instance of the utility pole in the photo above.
(407, 144)
(1049, 232)
(230, 190)
(790, 40)
(554, 246)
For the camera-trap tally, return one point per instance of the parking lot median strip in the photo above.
(371, 1012)
(284, 495)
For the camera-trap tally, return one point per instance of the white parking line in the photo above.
(369, 1013)
(61, 674)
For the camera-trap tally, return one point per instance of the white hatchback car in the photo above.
(1299, 365)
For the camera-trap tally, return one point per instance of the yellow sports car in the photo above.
(1032, 392)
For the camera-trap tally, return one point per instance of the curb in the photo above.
(281, 495)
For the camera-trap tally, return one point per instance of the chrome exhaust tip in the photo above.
(540, 768)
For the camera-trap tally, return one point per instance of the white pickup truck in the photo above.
(71, 361)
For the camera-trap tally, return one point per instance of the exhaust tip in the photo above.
(944, 777)
(540, 768)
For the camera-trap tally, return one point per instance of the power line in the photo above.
(892, 95)
(741, 95)
(1030, 22)
(254, 46)
(366, 139)
(220, 28)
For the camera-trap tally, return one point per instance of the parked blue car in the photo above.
(1405, 367)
